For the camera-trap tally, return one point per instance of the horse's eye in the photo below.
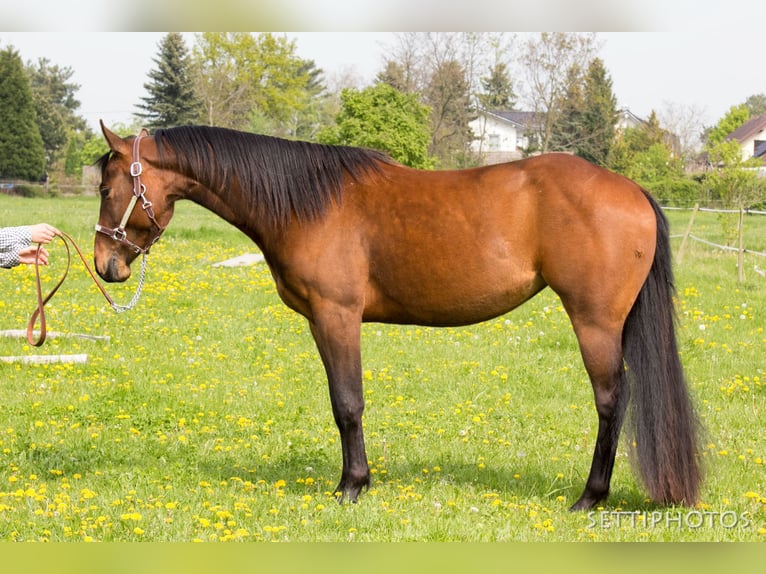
(104, 191)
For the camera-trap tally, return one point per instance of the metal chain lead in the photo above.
(137, 294)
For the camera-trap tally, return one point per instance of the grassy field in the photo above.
(205, 415)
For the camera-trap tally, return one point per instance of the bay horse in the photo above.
(351, 236)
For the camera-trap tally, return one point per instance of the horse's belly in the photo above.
(461, 298)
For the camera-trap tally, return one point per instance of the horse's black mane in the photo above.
(280, 178)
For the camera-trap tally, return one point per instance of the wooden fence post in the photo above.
(682, 248)
(741, 247)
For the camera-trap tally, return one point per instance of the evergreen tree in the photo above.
(585, 124)
(313, 114)
(567, 133)
(395, 75)
(498, 89)
(172, 100)
(448, 96)
(22, 155)
(599, 114)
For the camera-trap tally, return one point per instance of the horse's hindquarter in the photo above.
(597, 234)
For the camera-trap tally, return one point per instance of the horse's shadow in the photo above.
(504, 481)
(291, 470)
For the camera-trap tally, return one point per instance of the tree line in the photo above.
(418, 109)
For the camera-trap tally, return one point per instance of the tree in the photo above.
(756, 104)
(255, 81)
(547, 60)
(497, 88)
(221, 83)
(444, 68)
(599, 115)
(73, 155)
(734, 117)
(171, 99)
(383, 118)
(448, 97)
(395, 75)
(407, 69)
(585, 122)
(631, 144)
(733, 183)
(22, 154)
(685, 123)
(644, 155)
(567, 131)
(310, 110)
(55, 105)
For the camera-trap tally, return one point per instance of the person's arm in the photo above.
(12, 241)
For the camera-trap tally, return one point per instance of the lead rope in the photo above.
(136, 295)
(41, 302)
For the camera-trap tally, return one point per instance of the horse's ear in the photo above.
(116, 143)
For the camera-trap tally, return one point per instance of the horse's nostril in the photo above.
(114, 272)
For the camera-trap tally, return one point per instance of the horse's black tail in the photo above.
(663, 420)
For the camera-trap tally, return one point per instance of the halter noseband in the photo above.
(139, 192)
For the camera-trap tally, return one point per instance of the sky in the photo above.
(707, 64)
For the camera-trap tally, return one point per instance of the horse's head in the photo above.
(134, 200)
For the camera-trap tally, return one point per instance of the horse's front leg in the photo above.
(337, 332)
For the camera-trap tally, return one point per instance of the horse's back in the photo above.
(456, 247)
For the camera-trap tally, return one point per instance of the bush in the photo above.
(676, 191)
(23, 189)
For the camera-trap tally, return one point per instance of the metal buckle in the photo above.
(136, 169)
(119, 234)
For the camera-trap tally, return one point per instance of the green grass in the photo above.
(205, 416)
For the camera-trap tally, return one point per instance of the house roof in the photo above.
(749, 129)
(518, 118)
(626, 115)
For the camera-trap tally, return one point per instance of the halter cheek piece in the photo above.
(139, 192)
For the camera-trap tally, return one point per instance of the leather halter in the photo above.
(119, 233)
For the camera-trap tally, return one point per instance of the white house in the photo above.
(627, 119)
(752, 137)
(501, 135)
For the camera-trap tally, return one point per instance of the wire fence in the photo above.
(695, 209)
(741, 250)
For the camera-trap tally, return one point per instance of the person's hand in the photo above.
(27, 255)
(43, 233)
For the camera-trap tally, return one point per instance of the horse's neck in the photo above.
(229, 210)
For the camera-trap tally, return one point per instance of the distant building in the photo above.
(506, 135)
(502, 135)
(752, 138)
(627, 119)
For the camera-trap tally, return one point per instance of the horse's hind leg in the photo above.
(601, 349)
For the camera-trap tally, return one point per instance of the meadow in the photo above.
(203, 414)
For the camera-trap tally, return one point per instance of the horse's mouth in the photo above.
(115, 271)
